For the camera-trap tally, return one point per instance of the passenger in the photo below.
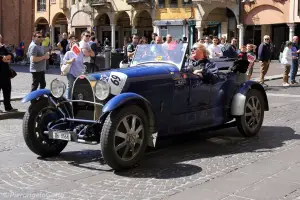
(202, 67)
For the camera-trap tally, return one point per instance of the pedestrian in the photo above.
(72, 38)
(93, 46)
(77, 67)
(251, 57)
(295, 63)
(85, 46)
(5, 76)
(287, 61)
(46, 46)
(62, 45)
(153, 38)
(38, 60)
(264, 55)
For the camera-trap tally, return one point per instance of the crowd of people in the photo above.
(205, 48)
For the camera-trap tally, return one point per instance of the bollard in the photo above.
(107, 56)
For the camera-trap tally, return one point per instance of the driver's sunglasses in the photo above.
(87, 36)
(39, 36)
(194, 48)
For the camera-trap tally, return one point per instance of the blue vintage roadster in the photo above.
(125, 110)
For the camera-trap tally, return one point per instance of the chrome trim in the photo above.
(238, 104)
(93, 89)
(83, 120)
(83, 101)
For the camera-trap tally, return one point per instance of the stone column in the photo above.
(241, 34)
(113, 36)
(52, 36)
(291, 31)
(200, 32)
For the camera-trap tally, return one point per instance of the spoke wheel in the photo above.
(124, 137)
(253, 112)
(251, 121)
(129, 137)
(35, 123)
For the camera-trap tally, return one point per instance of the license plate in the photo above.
(61, 135)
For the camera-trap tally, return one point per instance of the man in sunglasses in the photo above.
(37, 61)
(84, 45)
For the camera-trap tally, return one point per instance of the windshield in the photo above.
(160, 53)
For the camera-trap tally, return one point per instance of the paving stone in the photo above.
(268, 189)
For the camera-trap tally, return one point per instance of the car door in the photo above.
(199, 101)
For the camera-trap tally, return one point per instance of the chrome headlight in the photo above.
(57, 88)
(102, 90)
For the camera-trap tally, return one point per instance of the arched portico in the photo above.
(59, 25)
(142, 21)
(102, 23)
(220, 22)
(41, 24)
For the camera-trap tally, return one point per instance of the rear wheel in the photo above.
(124, 137)
(251, 121)
(35, 122)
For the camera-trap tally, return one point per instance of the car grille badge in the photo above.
(80, 96)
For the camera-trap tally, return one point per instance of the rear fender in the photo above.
(239, 99)
(129, 98)
(35, 94)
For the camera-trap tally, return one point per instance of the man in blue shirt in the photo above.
(295, 62)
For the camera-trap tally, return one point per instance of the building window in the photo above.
(161, 3)
(173, 3)
(41, 5)
(187, 2)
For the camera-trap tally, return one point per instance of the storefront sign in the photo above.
(169, 22)
(53, 1)
(213, 23)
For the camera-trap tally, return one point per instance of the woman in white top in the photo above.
(286, 60)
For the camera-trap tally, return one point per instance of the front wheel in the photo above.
(35, 122)
(251, 121)
(124, 137)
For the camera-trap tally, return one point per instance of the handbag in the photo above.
(12, 73)
(65, 69)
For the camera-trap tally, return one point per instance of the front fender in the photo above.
(239, 99)
(35, 94)
(122, 99)
(125, 98)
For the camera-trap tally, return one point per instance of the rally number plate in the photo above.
(61, 135)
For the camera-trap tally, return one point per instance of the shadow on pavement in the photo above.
(175, 156)
(12, 115)
(25, 69)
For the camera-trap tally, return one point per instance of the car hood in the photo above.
(133, 72)
(117, 78)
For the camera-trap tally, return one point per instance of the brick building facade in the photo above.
(16, 21)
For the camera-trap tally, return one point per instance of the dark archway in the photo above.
(143, 24)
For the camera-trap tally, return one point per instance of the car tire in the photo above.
(34, 122)
(251, 121)
(117, 140)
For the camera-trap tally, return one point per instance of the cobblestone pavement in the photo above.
(178, 164)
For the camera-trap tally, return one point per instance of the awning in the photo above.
(169, 22)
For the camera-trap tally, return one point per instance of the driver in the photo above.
(202, 67)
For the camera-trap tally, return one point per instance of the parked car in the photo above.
(126, 110)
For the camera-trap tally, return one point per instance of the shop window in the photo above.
(187, 2)
(161, 3)
(173, 3)
(41, 5)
